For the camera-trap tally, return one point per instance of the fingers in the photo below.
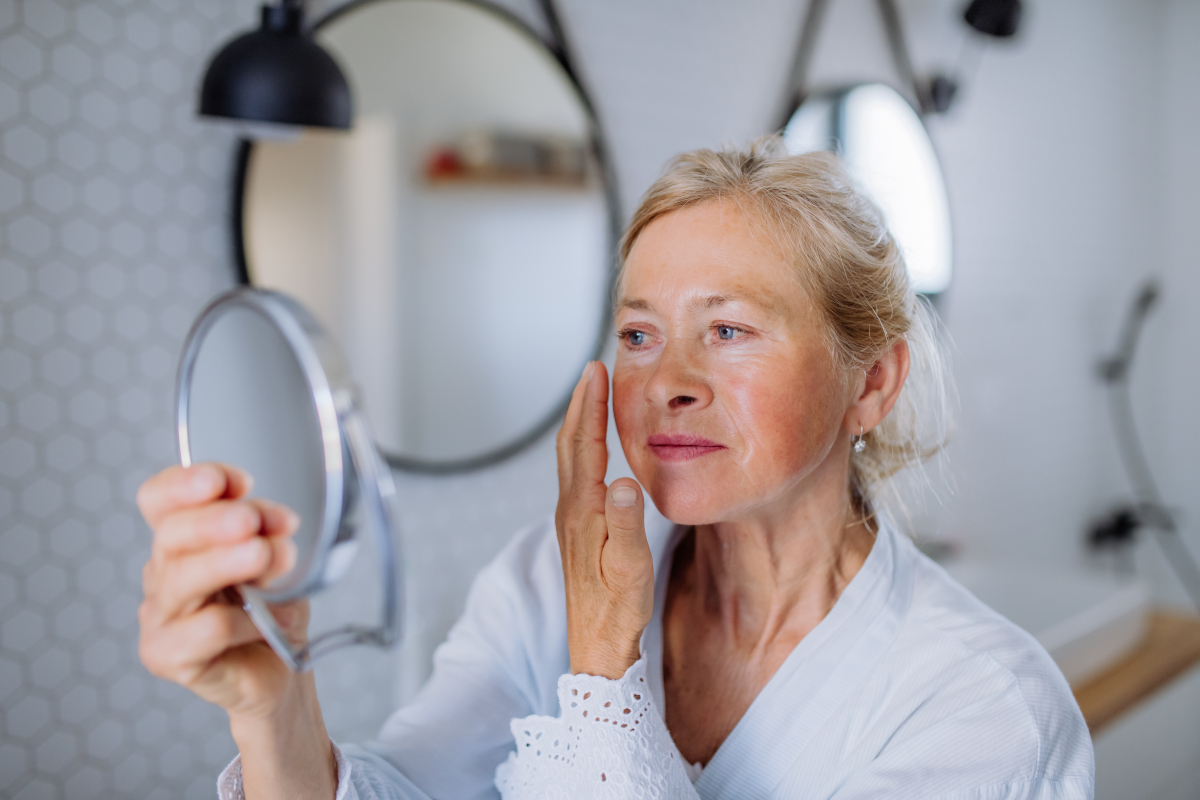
(565, 441)
(293, 619)
(186, 582)
(222, 522)
(180, 487)
(180, 650)
(624, 511)
(589, 457)
(283, 559)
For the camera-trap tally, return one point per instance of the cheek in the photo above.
(630, 410)
(787, 415)
(626, 399)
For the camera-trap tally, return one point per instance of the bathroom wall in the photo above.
(1072, 174)
(112, 236)
(1170, 379)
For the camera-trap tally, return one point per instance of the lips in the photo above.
(681, 446)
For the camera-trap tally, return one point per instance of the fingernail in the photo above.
(588, 370)
(283, 519)
(203, 478)
(249, 551)
(247, 479)
(624, 496)
(240, 519)
(286, 557)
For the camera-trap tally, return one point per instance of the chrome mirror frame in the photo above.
(356, 480)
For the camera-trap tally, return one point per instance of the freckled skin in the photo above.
(771, 396)
(719, 340)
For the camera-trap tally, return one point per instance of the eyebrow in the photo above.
(703, 302)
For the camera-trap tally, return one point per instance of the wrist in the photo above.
(606, 662)
(292, 705)
(287, 753)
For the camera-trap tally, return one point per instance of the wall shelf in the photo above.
(509, 178)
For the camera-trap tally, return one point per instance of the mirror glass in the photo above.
(457, 242)
(250, 405)
(889, 155)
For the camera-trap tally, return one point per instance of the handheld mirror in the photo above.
(262, 387)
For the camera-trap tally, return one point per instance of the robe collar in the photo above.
(801, 696)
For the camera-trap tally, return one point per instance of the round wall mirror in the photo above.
(458, 241)
(888, 153)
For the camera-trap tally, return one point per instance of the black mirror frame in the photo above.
(244, 153)
(921, 98)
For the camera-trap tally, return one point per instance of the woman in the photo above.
(782, 640)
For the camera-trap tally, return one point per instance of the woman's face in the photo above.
(725, 395)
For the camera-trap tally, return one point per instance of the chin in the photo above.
(685, 502)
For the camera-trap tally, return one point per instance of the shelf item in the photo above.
(506, 158)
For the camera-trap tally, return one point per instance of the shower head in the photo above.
(1116, 367)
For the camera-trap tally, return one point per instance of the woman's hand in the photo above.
(607, 566)
(208, 536)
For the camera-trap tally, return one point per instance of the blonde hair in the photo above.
(854, 272)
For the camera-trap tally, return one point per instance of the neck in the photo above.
(778, 572)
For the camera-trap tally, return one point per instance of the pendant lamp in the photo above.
(277, 74)
(999, 18)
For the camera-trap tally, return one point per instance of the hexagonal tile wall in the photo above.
(111, 239)
(113, 234)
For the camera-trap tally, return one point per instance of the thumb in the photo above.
(624, 511)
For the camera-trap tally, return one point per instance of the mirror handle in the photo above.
(374, 472)
(378, 489)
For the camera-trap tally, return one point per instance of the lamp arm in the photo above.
(901, 58)
(798, 86)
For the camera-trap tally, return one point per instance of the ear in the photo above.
(878, 389)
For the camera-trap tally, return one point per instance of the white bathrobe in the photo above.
(909, 688)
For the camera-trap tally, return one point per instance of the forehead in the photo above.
(715, 249)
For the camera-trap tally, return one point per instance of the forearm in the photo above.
(288, 754)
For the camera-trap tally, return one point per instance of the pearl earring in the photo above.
(859, 443)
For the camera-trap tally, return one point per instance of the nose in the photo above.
(679, 381)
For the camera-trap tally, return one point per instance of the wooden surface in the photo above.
(1171, 647)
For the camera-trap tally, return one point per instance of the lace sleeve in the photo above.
(609, 742)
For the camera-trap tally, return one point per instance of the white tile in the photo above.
(20, 57)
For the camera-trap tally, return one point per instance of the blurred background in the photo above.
(1072, 177)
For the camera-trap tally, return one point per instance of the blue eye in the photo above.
(636, 338)
(726, 332)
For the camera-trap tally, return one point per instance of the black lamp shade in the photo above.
(277, 74)
(999, 18)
